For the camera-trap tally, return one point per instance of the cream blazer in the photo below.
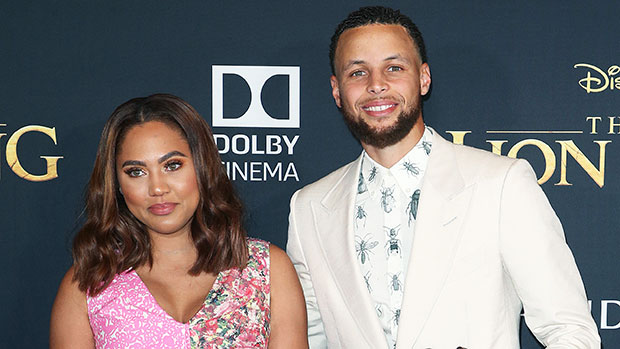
(487, 245)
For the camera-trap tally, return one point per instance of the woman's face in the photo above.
(155, 170)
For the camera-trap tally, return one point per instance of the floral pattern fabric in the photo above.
(235, 313)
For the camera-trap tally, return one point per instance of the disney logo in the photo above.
(601, 80)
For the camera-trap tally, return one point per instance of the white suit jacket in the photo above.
(487, 244)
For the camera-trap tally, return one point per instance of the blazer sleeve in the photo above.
(316, 331)
(541, 265)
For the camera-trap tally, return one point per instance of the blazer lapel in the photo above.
(333, 219)
(443, 205)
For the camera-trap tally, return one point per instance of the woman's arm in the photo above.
(69, 327)
(288, 308)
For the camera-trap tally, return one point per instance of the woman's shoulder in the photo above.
(258, 255)
(266, 253)
(279, 259)
(69, 287)
(124, 284)
(69, 320)
(258, 246)
(261, 249)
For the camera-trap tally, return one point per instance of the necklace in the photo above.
(173, 252)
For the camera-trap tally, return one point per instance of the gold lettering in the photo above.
(598, 175)
(613, 70)
(544, 149)
(496, 146)
(13, 161)
(612, 124)
(2, 135)
(594, 120)
(458, 136)
(586, 83)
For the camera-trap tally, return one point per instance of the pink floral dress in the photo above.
(235, 313)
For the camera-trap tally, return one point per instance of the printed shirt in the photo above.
(386, 207)
(235, 313)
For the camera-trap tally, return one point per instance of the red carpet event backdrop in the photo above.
(534, 80)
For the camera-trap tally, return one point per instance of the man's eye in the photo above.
(395, 68)
(358, 73)
(173, 165)
(134, 172)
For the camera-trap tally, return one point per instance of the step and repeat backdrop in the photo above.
(535, 80)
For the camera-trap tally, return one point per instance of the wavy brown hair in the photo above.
(112, 240)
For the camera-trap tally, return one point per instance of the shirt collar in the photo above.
(407, 172)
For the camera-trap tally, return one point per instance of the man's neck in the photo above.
(390, 155)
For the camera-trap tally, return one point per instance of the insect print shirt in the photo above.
(385, 212)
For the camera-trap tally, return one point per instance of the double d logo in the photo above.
(255, 115)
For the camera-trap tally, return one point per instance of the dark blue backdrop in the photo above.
(495, 66)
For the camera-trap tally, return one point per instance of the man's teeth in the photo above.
(379, 107)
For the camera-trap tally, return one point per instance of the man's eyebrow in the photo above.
(397, 56)
(171, 154)
(354, 62)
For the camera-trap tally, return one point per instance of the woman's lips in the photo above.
(162, 209)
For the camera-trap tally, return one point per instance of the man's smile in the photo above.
(379, 107)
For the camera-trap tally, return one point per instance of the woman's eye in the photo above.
(173, 165)
(134, 172)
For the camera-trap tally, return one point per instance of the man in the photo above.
(420, 243)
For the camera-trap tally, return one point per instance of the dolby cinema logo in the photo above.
(258, 99)
(255, 96)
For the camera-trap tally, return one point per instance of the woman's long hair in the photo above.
(112, 240)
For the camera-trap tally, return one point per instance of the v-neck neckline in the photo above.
(216, 284)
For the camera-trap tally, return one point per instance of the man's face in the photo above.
(379, 82)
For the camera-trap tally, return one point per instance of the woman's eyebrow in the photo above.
(133, 163)
(171, 154)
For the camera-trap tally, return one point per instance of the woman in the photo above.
(162, 260)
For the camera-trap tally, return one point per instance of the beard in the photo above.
(381, 138)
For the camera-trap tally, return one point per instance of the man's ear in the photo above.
(425, 78)
(335, 90)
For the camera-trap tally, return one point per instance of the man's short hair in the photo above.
(381, 15)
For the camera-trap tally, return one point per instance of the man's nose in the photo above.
(377, 83)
